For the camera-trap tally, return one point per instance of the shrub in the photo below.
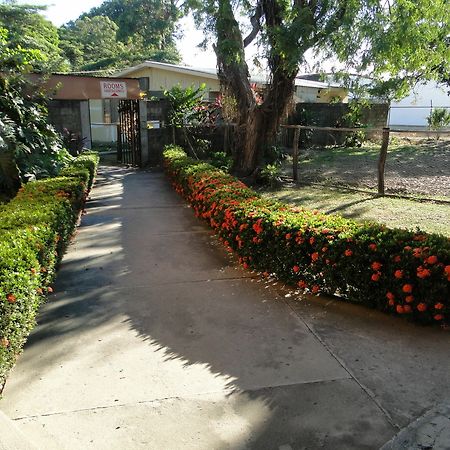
(393, 270)
(35, 228)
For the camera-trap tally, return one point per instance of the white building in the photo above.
(412, 111)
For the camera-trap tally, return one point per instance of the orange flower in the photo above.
(288, 236)
(312, 240)
(375, 276)
(390, 296)
(266, 274)
(373, 247)
(302, 284)
(421, 307)
(296, 269)
(243, 227)
(398, 274)
(407, 288)
(407, 248)
(432, 259)
(348, 252)
(33, 270)
(438, 317)
(376, 265)
(422, 272)
(315, 289)
(11, 298)
(409, 299)
(315, 256)
(400, 309)
(438, 306)
(391, 302)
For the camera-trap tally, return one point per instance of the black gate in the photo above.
(129, 133)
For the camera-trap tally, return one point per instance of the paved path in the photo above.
(155, 339)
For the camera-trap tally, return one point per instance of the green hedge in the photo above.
(398, 271)
(35, 228)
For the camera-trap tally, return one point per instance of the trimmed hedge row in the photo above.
(35, 228)
(393, 270)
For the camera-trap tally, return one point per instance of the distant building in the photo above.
(413, 110)
(154, 77)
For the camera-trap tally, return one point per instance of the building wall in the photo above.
(414, 109)
(160, 79)
(307, 94)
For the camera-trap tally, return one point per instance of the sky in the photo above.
(62, 11)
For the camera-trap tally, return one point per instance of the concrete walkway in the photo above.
(155, 339)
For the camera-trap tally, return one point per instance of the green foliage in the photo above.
(29, 30)
(270, 175)
(120, 33)
(29, 146)
(393, 270)
(185, 105)
(438, 118)
(35, 228)
(221, 160)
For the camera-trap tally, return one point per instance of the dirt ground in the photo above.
(413, 166)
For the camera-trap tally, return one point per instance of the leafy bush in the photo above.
(270, 175)
(35, 228)
(393, 270)
(221, 160)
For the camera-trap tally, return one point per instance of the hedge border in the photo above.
(394, 270)
(35, 229)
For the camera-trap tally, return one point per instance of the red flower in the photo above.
(398, 274)
(438, 317)
(390, 296)
(438, 306)
(296, 269)
(391, 302)
(301, 284)
(422, 272)
(376, 265)
(407, 288)
(348, 252)
(397, 258)
(49, 289)
(288, 236)
(375, 276)
(312, 240)
(400, 309)
(315, 256)
(315, 289)
(432, 259)
(373, 247)
(11, 298)
(421, 307)
(407, 309)
(409, 299)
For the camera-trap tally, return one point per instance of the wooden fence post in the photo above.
(382, 160)
(295, 153)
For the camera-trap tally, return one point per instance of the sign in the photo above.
(113, 89)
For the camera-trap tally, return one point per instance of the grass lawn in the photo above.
(419, 168)
(400, 213)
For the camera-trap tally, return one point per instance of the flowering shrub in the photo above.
(35, 228)
(393, 270)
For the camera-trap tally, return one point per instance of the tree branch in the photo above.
(255, 21)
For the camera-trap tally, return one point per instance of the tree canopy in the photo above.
(120, 33)
(397, 40)
(28, 29)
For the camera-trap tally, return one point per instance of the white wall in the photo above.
(418, 105)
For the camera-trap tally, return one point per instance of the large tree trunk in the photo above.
(257, 124)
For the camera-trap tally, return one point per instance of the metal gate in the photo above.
(129, 133)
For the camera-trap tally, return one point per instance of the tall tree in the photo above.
(91, 40)
(153, 21)
(28, 29)
(286, 30)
